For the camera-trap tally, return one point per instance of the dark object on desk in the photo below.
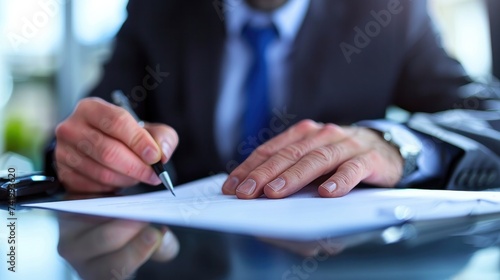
(26, 185)
(475, 133)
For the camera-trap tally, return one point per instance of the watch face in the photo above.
(408, 143)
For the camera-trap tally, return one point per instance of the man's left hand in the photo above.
(309, 150)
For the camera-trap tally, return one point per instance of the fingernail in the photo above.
(247, 187)
(149, 237)
(165, 148)
(149, 155)
(330, 186)
(277, 184)
(231, 184)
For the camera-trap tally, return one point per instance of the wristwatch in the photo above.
(409, 147)
(399, 136)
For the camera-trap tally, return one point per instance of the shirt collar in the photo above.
(287, 18)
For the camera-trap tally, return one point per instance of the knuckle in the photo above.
(331, 129)
(141, 173)
(120, 119)
(264, 151)
(270, 170)
(343, 179)
(137, 139)
(298, 173)
(323, 154)
(85, 147)
(82, 105)
(293, 152)
(354, 143)
(109, 153)
(71, 158)
(305, 126)
(63, 129)
(354, 170)
(355, 166)
(373, 156)
(94, 136)
(85, 104)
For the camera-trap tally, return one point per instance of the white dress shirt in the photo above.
(237, 60)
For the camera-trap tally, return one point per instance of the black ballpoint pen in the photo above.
(121, 100)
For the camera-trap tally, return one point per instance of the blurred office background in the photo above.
(51, 52)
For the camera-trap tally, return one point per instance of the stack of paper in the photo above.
(303, 216)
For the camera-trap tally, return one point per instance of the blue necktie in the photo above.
(257, 109)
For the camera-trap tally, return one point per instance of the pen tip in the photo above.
(165, 179)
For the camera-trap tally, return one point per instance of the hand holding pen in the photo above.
(101, 148)
(121, 100)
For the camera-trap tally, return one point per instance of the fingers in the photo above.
(294, 166)
(166, 137)
(348, 175)
(169, 247)
(117, 159)
(119, 124)
(104, 176)
(318, 162)
(113, 235)
(75, 182)
(136, 252)
(351, 154)
(104, 144)
(294, 134)
(122, 248)
(123, 262)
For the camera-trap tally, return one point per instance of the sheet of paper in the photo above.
(303, 216)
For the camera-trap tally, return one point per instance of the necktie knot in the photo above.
(259, 37)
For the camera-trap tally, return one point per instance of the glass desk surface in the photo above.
(461, 248)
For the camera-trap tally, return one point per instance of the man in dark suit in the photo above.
(185, 66)
(322, 75)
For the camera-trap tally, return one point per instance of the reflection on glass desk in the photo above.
(68, 246)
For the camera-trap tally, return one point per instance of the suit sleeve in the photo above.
(430, 80)
(126, 68)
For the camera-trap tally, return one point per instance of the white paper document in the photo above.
(303, 216)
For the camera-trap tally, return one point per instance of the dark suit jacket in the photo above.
(402, 63)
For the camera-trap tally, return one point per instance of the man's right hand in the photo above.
(100, 148)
